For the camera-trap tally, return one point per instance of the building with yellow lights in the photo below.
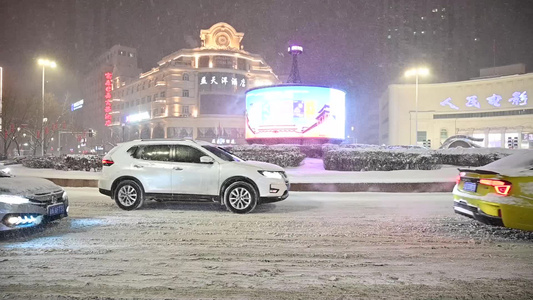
(192, 93)
(496, 110)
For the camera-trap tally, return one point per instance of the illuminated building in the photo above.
(121, 62)
(192, 93)
(497, 109)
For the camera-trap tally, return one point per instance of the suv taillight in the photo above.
(107, 162)
(501, 187)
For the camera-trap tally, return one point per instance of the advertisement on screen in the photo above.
(295, 112)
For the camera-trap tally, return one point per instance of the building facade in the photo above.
(192, 93)
(495, 109)
(121, 62)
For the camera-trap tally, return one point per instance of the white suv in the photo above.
(188, 170)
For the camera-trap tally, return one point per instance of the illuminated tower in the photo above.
(294, 76)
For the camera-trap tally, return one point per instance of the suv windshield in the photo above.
(221, 153)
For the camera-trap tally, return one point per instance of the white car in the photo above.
(142, 170)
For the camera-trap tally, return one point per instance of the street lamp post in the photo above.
(51, 64)
(416, 72)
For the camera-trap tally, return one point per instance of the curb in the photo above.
(377, 187)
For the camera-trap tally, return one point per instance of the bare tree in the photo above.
(15, 113)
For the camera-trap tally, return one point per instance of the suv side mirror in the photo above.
(206, 160)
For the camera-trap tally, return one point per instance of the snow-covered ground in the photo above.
(310, 246)
(311, 171)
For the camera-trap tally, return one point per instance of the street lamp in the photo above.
(416, 72)
(52, 64)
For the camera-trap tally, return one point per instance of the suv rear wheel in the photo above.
(240, 197)
(129, 195)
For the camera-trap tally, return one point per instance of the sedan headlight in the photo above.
(12, 199)
(271, 174)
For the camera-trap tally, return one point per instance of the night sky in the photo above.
(343, 40)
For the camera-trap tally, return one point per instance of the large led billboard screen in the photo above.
(295, 111)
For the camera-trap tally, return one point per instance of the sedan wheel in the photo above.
(129, 195)
(240, 197)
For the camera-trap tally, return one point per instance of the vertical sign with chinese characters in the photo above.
(107, 109)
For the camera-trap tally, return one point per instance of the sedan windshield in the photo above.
(222, 153)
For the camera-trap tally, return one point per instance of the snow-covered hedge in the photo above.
(282, 155)
(68, 162)
(345, 159)
(471, 157)
(387, 158)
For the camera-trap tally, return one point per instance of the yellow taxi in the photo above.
(500, 193)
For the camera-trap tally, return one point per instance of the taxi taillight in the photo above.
(501, 187)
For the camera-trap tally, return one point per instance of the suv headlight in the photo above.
(64, 197)
(271, 174)
(12, 199)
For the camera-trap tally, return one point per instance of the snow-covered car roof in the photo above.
(516, 165)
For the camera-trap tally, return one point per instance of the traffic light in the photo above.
(510, 142)
(91, 133)
(515, 143)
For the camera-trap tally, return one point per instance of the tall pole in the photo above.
(42, 119)
(416, 110)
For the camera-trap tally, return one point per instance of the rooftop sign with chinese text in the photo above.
(518, 99)
(223, 82)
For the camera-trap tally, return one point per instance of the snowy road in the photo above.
(313, 245)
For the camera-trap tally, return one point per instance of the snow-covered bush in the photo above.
(282, 155)
(472, 157)
(378, 160)
(65, 163)
(312, 151)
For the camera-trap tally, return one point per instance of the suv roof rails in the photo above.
(166, 140)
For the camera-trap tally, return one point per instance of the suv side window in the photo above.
(187, 154)
(153, 152)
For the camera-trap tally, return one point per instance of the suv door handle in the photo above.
(138, 166)
(178, 168)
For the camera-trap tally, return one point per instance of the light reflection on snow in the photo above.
(58, 239)
(83, 223)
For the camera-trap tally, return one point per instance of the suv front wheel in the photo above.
(129, 195)
(240, 197)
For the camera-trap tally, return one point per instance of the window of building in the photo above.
(143, 100)
(144, 84)
(203, 62)
(131, 54)
(185, 93)
(155, 97)
(443, 135)
(162, 111)
(185, 109)
(421, 136)
(185, 77)
(148, 99)
(162, 94)
(223, 62)
(241, 64)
